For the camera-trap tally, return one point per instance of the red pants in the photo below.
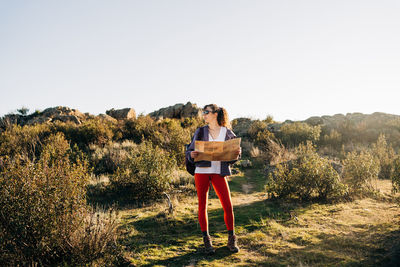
(221, 187)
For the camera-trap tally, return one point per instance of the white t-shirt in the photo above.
(215, 165)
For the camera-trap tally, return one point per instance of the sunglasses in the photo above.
(207, 112)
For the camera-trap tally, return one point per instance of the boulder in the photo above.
(59, 113)
(106, 117)
(38, 120)
(314, 121)
(177, 111)
(190, 110)
(122, 114)
(67, 118)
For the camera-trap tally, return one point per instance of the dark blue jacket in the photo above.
(225, 168)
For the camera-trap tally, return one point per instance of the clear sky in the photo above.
(289, 59)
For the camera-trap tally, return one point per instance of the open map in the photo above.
(217, 150)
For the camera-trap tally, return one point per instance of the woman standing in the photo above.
(215, 171)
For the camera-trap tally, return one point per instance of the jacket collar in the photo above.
(206, 131)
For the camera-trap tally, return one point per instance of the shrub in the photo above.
(293, 134)
(182, 181)
(254, 152)
(269, 119)
(145, 174)
(308, 177)
(396, 175)
(259, 134)
(107, 159)
(191, 123)
(256, 127)
(333, 139)
(167, 134)
(143, 128)
(42, 219)
(360, 171)
(93, 131)
(172, 137)
(385, 155)
(23, 141)
(273, 152)
(23, 110)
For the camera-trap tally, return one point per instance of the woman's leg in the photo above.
(202, 182)
(221, 187)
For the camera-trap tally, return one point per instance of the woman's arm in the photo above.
(190, 149)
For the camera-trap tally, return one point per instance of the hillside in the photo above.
(112, 190)
(179, 111)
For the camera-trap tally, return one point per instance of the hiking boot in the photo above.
(208, 245)
(232, 243)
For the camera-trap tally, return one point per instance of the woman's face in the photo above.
(209, 116)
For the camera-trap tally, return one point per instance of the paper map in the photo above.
(217, 150)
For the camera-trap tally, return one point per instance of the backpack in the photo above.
(190, 167)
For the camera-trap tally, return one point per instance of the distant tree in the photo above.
(23, 110)
(269, 119)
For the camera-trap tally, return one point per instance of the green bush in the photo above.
(191, 123)
(396, 175)
(145, 174)
(172, 137)
(274, 152)
(308, 177)
(93, 131)
(360, 170)
(256, 127)
(23, 141)
(366, 129)
(107, 159)
(143, 128)
(43, 216)
(293, 134)
(385, 155)
(333, 139)
(168, 134)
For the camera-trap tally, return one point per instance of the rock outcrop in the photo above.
(58, 113)
(177, 111)
(122, 114)
(333, 122)
(105, 117)
(64, 114)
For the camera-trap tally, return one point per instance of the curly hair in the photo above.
(222, 117)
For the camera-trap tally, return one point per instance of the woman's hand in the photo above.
(194, 154)
(237, 152)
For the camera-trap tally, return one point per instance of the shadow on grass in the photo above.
(375, 246)
(104, 196)
(172, 232)
(192, 258)
(179, 239)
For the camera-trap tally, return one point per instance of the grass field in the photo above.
(363, 232)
